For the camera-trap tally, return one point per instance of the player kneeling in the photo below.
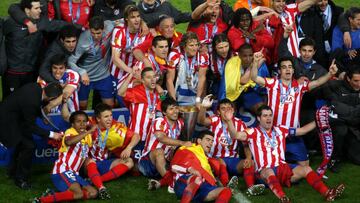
(72, 154)
(194, 178)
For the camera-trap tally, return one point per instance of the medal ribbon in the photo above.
(102, 143)
(226, 133)
(74, 20)
(287, 93)
(272, 141)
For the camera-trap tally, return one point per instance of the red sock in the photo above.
(85, 194)
(224, 196)
(275, 186)
(223, 176)
(115, 172)
(58, 197)
(166, 179)
(315, 181)
(249, 176)
(94, 175)
(190, 190)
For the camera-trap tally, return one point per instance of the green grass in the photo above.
(133, 189)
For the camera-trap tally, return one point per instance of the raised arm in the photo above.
(124, 86)
(258, 60)
(323, 79)
(206, 103)
(306, 4)
(232, 130)
(305, 129)
(170, 77)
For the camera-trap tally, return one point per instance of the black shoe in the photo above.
(334, 166)
(23, 184)
(103, 194)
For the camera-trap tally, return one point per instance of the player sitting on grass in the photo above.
(267, 145)
(72, 154)
(225, 148)
(194, 178)
(161, 143)
(113, 137)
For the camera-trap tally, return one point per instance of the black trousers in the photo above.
(340, 132)
(20, 165)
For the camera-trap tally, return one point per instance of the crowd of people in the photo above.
(248, 90)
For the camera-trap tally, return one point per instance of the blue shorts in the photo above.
(104, 86)
(104, 165)
(62, 181)
(204, 190)
(296, 150)
(231, 165)
(147, 168)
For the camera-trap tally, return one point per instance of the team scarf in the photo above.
(326, 138)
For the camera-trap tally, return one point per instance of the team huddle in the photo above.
(221, 101)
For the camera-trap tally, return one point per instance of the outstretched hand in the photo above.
(207, 101)
(333, 68)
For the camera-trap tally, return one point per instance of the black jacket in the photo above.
(100, 9)
(55, 48)
(18, 113)
(151, 16)
(344, 98)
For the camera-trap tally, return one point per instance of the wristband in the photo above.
(198, 99)
(292, 132)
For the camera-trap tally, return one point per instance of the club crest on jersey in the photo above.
(224, 141)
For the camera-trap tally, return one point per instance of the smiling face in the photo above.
(79, 123)
(167, 28)
(266, 119)
(222, 49)
(58, 71)
(355, 22)
(206, 142)
(354, 82)
(161, 49)
(172, 112)
(105, 118)
(286, 70)
(322, 5)
(306, 53)
(245, 21)
(278, 5)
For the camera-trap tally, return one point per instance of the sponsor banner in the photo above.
(45, 153)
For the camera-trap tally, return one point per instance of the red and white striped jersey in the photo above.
(285, 101)
(221, 147)
(288, 17)
(264, 154)
(71, 78)
(141, 117)
(71, 158)
(125, 42)
(162, 125)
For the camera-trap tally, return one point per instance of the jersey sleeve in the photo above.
(174, 59)
(73, 79)
(250, 133)
(270, 82)
(145, 46)
(159, 125)
(204, 61)
(117, 39)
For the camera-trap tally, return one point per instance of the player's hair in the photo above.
(353, 69)
(187, 37)
(58, 59)
(218, 38)
(352, 12)
(288, 58)
(27, 4)
(101, 107)
(261, 109)
(164, 17)
(75, 114)
(307, 41)
(158, 39)
(68, 31)
(225, 101)
(202, 134)
(96, 23)
(130, 9)
(169, 101)
(53, 89)
(146, 69)
(245, 46)
(237, 16)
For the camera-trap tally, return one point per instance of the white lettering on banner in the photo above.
(121, 118)
(46, 153)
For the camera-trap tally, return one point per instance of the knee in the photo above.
(265, 173)
(159, 153)
(129, 163)
(78, 193)
(92, 192)
(307, 170)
